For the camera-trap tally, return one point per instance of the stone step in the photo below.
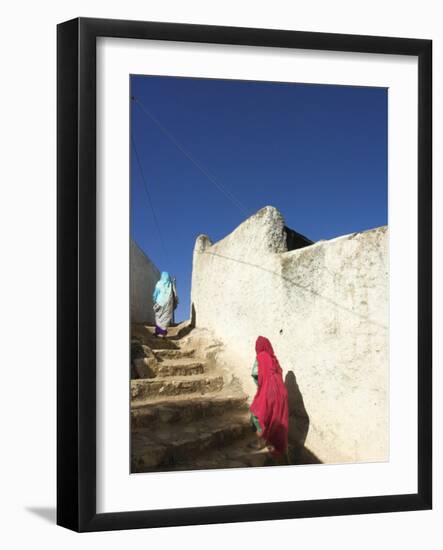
(155, 344)
(165, 448)
(145, 388)
(169, 354)
(180, 330)
(180, 367)
(242, 453)
(184, 409)
(140, 330)
(145, 368)
(246, 459)
(237, 454)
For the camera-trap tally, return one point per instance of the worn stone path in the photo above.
(185, 414)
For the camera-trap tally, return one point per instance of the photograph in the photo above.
(259, 276)
(221, 251)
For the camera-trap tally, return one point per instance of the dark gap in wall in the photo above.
(296, 240)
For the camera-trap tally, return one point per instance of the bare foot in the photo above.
(258, 444)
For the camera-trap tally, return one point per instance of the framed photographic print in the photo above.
(244, 274)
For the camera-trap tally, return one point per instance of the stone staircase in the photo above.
(187, 413)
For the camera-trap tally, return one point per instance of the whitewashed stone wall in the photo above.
(143, 277)
(324, 308)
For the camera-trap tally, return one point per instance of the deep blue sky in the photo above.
(317, 153)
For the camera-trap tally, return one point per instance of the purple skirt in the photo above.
(159, 330)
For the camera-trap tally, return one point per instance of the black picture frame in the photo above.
(76, 266)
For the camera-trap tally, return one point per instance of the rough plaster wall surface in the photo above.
(325, 310)
(143, 277)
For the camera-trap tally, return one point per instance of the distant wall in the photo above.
(324, 308)
(143, 277)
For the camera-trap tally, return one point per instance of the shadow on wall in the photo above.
(193, 320)
(298, 424)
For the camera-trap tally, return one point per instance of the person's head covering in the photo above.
(163, 289)
(263, 344)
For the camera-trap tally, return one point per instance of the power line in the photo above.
(188, 155)
(151, 204)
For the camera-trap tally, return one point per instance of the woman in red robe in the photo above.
(270, 405)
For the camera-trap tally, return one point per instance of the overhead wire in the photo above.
(150, 202)
(188, 155)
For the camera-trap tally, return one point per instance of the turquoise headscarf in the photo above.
(163, 289)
